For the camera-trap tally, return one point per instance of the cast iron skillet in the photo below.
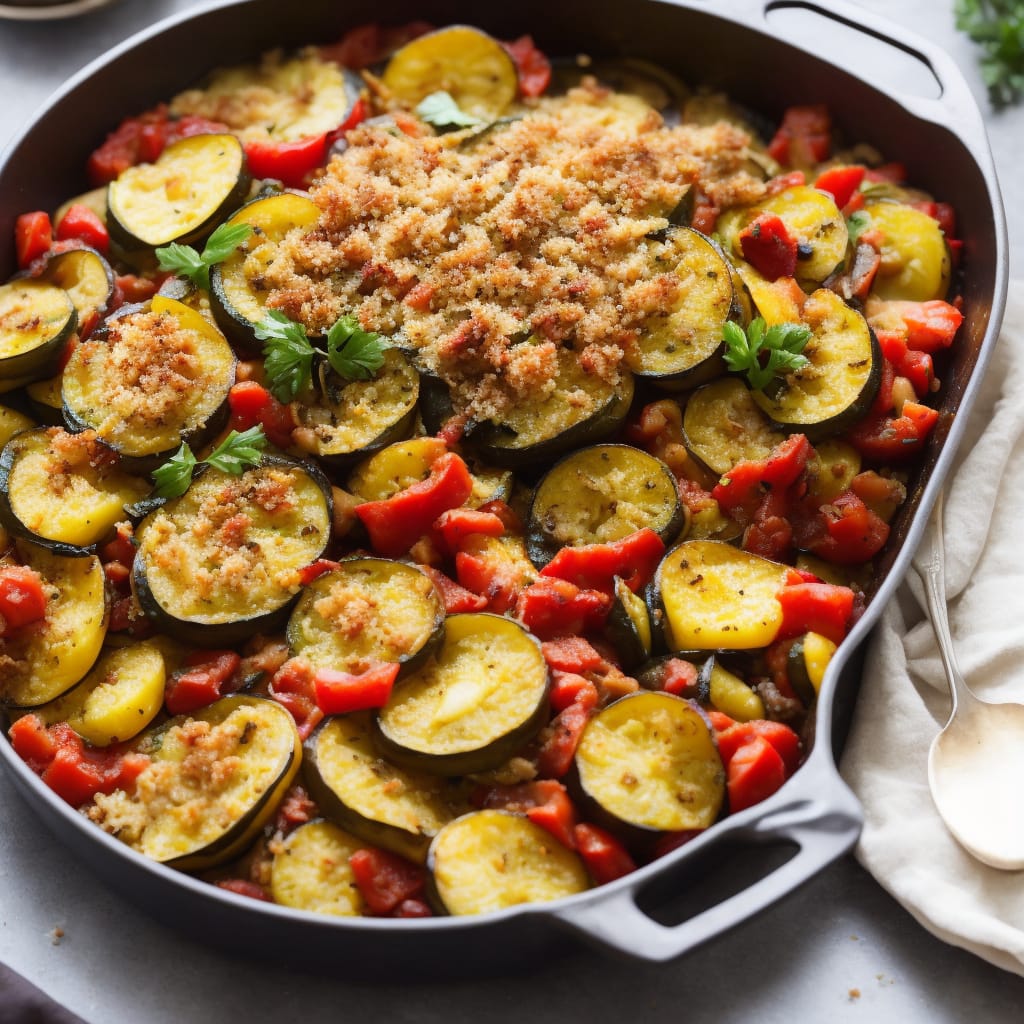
(750, 859)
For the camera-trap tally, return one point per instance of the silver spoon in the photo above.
(976, 764)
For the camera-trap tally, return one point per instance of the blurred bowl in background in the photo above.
(41, 10)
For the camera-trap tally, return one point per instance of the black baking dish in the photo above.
(729, 44)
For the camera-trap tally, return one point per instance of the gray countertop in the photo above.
(839, 948)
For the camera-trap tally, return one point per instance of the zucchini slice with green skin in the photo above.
(382, 804)
(310, 871)
(806, 663)
(474, 705)
(916, 264)
(237, 298)
(491, 860)
(41, 664)
(12, 422)
(471, 66)
(89, 281)
(215, 779)
(715, 596)
(352, 419)
(628, 628)
(121, 695)
(685, 347)
(841, 379)
(194, 184)
(831, 469)
(540, 430)
(367, 611)
(395, 467)
(723, 425)
(602, 494)
(63, 491)
(224, 560)
(37, 320)
(648, 763)
(149, 380)
(732, 696)
(45, 401)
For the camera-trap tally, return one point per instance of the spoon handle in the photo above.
(931, 569)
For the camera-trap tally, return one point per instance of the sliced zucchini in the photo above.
(223, 561)
(395, 468)
(214, 780)
(354, 418)
(36, 321)
(600, 494)
(382, 804)
(581, 410)
(648, 763)
(40, 664)
(119, 697)
(806, 663)
(774, 300)
(64, 491)
(628, 628)
(310, 871)
(149, 380)
(237, 293)
(490, 860)
(45, 401)
(474, 69)
(711, 523)
(12, 422)
(915, 258)
(831, 469)
(490, 485)
(683, 345)
(732, 696)
(716, 596)
(193, 186)
(658, 88)
(723, 425)
(368, 610)
(89, 281)
(473, 706)
(841, 380)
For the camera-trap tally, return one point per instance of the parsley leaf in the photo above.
(288, 354)
(441, 111)
(856, 224)
(762, 352)
(353, 352)
(998, 27)
(184, 261)
(235, 454)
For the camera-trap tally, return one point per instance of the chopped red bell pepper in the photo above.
(743, 486)
(571, 688)
(455, 525)
(804, 138)
(552, 608)
(781, 182)
(134, 288)
(768, 247)
(594, 566)
(853, 533)
(84, 224)
(532, 65)
(396, 523)
(823, 608)
(573, 654)
(889, 439)
(755, 771)
(455, 597)
(33, 236)
(606, 858)
(251, 404)
(292, 687)
(312, 572)
(202, 682)
(288, 162)
(544, 801)
(492, 571)
(931, 325)
(22, 597)
(918, 367)
(560, 739)
(338, 693)
(841, 182)
(385, 880)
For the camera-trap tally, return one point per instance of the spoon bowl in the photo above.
(976, 763)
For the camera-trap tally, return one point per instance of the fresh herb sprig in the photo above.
(856, 224)
(235, 454)
(289, 354)
(441, 111)
(997, 26)
(184, 261)
(762, 352)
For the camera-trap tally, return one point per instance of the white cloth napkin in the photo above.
(904, 700)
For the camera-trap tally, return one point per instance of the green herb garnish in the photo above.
(998, 27)
(184, 261)
(235, 454)
(765, 353)
(289, 354)
(856, 224)
(441, 111)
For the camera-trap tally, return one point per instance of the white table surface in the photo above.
(839, 949)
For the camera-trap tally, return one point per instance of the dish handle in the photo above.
(816, 812)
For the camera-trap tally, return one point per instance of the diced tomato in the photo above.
(202, 682)
(491, 571)
(532, 65)
(918, 367)
(396, 523)
(296, 809)
(288, 162)
(338, 693)
(841, 182)
(456, 598)
(594, 566)
(545, 802)
(784, 739)
(853, 533)
(292, 687)
(456, 524)
(705, 216)
(823, 608)
(505, 513)
(122, 547)
(312, 572)
(571, 688)
(243, 887)
(572, 654)
(744, 484)
(679, 677)
(755, 771)
(552, 608)
(804, 138)
(606, 858)
(888, 439)
(251, 404)
(560, 739)
(768, 247)
(719, 720)
(133, 288)
(931, 325)
(385, 880)
(33, 236)
(22, 597)
(83, 223)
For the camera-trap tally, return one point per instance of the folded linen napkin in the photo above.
(904, 699)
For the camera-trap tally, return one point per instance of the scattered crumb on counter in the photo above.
(56, 935)
(854, 994)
